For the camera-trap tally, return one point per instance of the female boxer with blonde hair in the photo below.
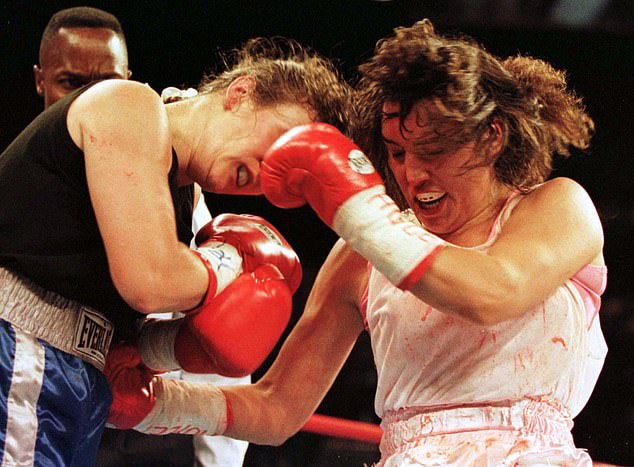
(97, 197)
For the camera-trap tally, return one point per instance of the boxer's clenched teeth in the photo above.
(242, 177)
(430, 199)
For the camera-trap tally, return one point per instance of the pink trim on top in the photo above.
(590, 282)
(501, 218)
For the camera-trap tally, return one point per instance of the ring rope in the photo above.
(342, 428)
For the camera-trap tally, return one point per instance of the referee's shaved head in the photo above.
(79, 45)
(80, 17)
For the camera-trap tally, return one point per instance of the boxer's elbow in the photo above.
(265, 427)
(277, 440)
(285, 417)
(286, 429)
(145, 303)
(149, 295)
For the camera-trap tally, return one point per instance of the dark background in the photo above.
(173, 43)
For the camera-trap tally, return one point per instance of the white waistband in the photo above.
(65, 324)
(527, 415)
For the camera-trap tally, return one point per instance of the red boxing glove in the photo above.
(234, 333)
(130, 385)
(159, 406)
(317, 164)
(257, 242)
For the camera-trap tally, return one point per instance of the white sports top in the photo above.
(428, 359)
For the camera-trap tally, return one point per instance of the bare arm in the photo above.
(279, 404)
(550, 235)
(122, 128)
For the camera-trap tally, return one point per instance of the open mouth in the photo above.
(430, 200)
(242, 176)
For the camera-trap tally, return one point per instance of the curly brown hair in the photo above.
(529, 100)
(287, 72)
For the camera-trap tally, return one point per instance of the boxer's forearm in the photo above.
(186, 408)
(261, 417)
(241, 412)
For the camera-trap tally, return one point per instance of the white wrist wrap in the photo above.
(186, 408)
(156, 344)
(225, 260)
(372, 224)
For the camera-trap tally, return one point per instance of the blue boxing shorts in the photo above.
(53, 405)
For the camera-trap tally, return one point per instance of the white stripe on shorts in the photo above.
(26, 384)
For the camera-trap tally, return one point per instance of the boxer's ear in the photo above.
(239, 91)
(495, 138)
(39, 80)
